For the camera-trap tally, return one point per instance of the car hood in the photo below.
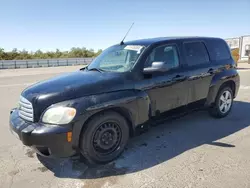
(74, 85)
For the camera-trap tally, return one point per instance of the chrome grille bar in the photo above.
(25, 109)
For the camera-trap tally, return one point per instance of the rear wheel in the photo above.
(223, 103)
(104, 137)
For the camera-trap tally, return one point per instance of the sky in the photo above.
(62, 24)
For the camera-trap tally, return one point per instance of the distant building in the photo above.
(233, 43)
(243, 43)
(245, 48)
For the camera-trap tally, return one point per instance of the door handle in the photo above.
(179, 78)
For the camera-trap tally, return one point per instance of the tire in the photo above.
(104, 137)
(218, 112)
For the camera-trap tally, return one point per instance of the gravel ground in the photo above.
(193, 151)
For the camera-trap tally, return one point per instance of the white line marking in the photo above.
(243, 70)
(244, 87)
(13, 85)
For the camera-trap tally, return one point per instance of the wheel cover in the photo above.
(225, 102)
(107, 138)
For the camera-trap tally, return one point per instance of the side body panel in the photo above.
(206, 79)
(165, 91)
(224, 69)
(199, 76)
(199, 79)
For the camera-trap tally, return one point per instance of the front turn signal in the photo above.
(69, 136)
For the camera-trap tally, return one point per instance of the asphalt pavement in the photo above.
(193, 151)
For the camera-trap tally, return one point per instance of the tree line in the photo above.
(23, 54)
(72, 53)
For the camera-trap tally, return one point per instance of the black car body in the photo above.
(120, 92)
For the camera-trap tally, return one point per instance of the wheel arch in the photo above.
(213, 91)
(120, 110)
(229, 83)
(133, 106)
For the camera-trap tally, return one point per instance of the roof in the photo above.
(147, 42)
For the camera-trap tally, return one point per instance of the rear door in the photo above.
(200, 70)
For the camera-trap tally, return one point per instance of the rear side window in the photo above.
(218, 50)
(196, 53)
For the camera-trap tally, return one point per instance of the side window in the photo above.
(166, 53)
(196, 53)
(218, 49)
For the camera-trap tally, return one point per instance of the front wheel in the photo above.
(223, 103)
(104, 138)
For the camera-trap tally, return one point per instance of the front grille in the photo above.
(25, 109)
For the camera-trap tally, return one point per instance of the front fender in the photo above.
(135, 104)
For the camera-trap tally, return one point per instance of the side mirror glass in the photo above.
(157, 67)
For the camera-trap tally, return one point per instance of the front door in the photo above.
(166, 90)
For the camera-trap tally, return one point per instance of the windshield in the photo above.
(119, 58)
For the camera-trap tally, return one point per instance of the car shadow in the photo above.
(160, 144)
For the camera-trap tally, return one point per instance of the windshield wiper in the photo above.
(81, 69)
(95, 69)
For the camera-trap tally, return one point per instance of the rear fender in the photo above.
(218, 80)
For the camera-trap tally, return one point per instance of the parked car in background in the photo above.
(95, 110)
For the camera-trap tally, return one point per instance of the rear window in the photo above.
(196, 53)
(218, 49)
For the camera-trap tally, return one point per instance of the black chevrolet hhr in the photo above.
(95, 110)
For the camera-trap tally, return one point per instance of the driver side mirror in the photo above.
(157, 67)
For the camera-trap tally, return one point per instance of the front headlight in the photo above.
(59, 115)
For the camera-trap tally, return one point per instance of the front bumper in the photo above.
(47, 140)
